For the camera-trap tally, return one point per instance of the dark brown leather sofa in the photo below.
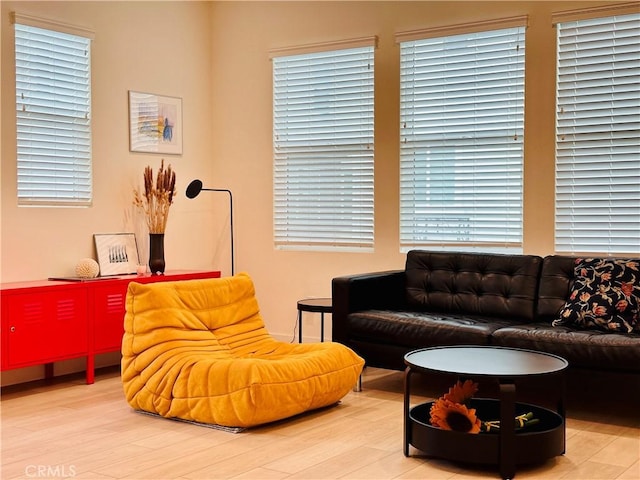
(445, 298)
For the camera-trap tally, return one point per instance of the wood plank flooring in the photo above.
(67, 429)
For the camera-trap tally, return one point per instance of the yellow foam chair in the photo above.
(198, 350)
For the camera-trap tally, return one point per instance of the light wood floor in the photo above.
(71, 430)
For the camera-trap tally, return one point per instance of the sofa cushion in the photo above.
(489, 285)
(592, 349)
(420, 329)
(605, 295)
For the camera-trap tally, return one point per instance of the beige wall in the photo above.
(158, 47)
(215, 56)
(243, 33)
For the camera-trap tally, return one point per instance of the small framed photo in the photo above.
(117, 253)
(155, 123)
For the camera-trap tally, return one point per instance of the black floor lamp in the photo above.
(194, 188)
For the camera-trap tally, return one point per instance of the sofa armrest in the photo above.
(366, 291)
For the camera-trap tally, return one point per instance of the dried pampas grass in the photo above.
(157, 197)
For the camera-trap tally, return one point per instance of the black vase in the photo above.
(156, 253)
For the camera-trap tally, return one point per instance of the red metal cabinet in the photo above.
(48, 321)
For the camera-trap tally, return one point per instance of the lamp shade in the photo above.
(194, 189)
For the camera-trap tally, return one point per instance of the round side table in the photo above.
(318, 305)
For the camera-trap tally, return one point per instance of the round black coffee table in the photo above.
(507, 448)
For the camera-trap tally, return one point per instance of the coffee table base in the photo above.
(533, 444)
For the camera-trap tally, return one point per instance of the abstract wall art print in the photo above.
(155, 123)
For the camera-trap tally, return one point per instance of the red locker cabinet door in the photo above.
(108, 314)
(43, 326)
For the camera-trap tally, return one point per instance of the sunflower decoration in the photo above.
(461, 392)
(451, 411)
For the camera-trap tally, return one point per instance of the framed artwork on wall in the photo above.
(155, 123)
(117, 253)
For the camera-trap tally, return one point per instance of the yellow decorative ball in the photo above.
(87, 268)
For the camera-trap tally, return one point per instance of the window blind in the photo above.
(53, 101)
(598, 136)
(323, 149)
(462, 132)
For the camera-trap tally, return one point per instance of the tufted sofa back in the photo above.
(556, 279)
(495, 285)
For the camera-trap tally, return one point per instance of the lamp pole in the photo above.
(194, 189)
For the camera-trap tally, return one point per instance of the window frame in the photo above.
(589, 207)
(412, 195)
(53, 130)
(323, 195)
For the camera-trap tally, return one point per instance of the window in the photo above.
(53, 115)
(462, 133)
(598, 136)
(323, 148)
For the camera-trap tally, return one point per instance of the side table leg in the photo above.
(507, 430)
(299, 326)
(407, 396)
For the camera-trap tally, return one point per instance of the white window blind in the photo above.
(462, 132)
(323, 149)
(598, 136)
(53, 116)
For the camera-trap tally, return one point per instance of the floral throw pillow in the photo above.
(605, 296)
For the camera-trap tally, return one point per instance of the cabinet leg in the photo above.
(48, 371)
(90, 369)
(507, 430)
